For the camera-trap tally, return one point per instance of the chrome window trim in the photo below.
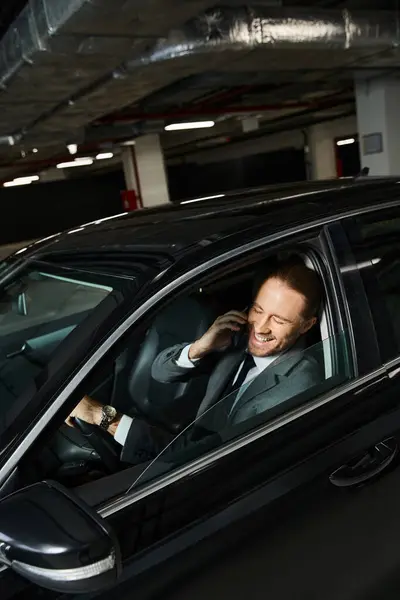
(170, 287)
(393, 362)
(393, 367)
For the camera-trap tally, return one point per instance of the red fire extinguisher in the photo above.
(130, 200)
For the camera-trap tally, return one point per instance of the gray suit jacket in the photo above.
(292, 373)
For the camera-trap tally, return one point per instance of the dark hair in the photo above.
(294, 273)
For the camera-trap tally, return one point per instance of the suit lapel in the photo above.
(260, 384)
(221, 377)
(271, 376)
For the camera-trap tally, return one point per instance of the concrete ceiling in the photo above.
(97, 73)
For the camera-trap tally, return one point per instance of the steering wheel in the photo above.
(103, 442)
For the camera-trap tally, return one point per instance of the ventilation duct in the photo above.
(60, 52)
(31, 32)
(29, 35)
(245, 28)
(66, 63)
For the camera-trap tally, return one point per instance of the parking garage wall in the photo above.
(38, 210)
(192, 180)
(260, 161)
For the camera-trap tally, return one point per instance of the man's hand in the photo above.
(219, 336)
(88, 410)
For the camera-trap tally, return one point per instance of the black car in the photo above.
(299, 502)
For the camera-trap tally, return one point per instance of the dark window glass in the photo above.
(39, 308)
(375, 240)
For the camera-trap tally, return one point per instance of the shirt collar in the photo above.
(262, 362)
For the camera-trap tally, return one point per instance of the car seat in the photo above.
(172, 405)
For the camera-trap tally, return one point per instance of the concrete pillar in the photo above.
(128, 165)
(321, 152)
(378, 102)
(152, 174)
(145, 171)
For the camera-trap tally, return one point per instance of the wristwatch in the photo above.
(108, 414)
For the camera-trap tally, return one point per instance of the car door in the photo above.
(269, 491)
(316, 511)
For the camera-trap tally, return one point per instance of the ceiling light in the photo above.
(104, 155)
(21, 181)
(193, 125)
(345, 142)
(204, 198)
(28, 178)
(35, 150)
(72, 148)
(81, 162)
(13, 183)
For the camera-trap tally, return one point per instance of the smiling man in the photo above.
(255, 361)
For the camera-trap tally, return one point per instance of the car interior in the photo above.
(388, 274)
(85, 452)
(31, 330)
(377, 247)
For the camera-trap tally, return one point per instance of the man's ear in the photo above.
(306, 326)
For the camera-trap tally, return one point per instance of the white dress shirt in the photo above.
(261, 363)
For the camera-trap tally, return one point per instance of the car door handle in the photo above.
(366, 466)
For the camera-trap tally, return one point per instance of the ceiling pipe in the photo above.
(200, 111)
(284, 123)
(224, 95)
(288, 121)
(283, 127)
(28, 166)
(257, 27)
(209, 111)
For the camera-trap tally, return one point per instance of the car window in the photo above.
(156, 409)
(39, 308)
(292, 381)
(375, 240)
(37, 298)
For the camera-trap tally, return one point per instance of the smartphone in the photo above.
(239, 335)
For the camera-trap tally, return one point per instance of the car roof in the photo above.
(198, 222)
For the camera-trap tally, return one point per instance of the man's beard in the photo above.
(258, 350)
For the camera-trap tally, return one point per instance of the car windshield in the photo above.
(39, 308)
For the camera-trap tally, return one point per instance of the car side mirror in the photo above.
(53, 539)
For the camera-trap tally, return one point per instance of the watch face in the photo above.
(110, 411)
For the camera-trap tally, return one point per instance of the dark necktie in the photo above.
(247, 365)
